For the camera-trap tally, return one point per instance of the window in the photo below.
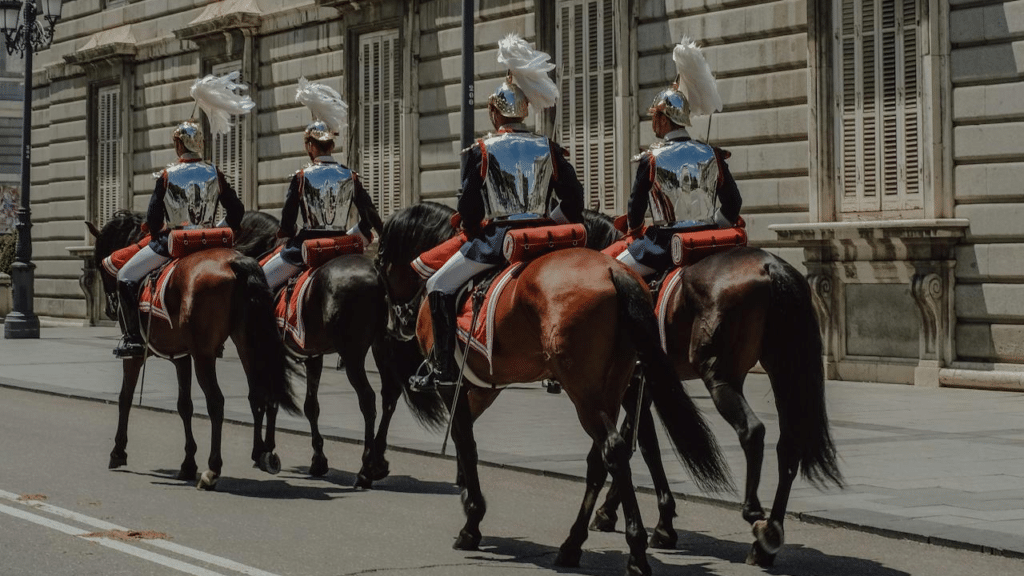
(380, 129)
(108, 153)
(585, 42)
(878, 145)
(226, 149)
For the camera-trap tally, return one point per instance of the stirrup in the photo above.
(129, 349)
(429, 381)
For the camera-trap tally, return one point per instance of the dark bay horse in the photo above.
(343, 311)
(211, 296)
(577, 316)
(729, 311)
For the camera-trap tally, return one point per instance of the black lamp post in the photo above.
(25, 35)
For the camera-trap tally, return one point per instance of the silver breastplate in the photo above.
(518, 172)
(190, 200)
(327, 194)
(685, 182)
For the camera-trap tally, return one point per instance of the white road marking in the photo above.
(17, 512)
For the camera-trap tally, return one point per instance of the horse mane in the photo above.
(414, 230)
(601, 230)
(123, 228)
(257, 234)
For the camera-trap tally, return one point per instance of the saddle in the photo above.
(315, 253)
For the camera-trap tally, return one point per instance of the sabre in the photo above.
(145, 354)
(639, 404)
(478, 299)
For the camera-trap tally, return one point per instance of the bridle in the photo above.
(400, 314)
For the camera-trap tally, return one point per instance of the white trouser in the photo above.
(144, 262)
(455, 272)
(278, 271)
(627, 259)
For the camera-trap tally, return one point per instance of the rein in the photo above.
(398, 312)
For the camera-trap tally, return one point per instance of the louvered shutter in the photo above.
(586, 56)
(878, 113)
(380, 126)
(108, 153)
(226, 149)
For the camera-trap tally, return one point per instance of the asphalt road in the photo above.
(63, 513)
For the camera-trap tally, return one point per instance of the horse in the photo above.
(574, 315)
(729, 311)
(343, 311)
(210, 296)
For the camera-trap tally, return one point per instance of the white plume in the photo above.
(216, 95)
(695, 79)
(324, 102)
(529, 70)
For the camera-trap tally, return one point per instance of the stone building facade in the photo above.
(873, 140)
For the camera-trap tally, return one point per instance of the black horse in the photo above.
(731, 310)
(344, 312)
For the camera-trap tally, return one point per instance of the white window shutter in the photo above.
(585, 31)
(878, 116)
(108, 153)
(225, 150)
(380, 126)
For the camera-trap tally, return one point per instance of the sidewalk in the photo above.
(943, 466)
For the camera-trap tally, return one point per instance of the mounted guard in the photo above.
(507, 181)
(186, 196)
(684, 184)
(328, 194)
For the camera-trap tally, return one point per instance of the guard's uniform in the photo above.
(682, 184)
(332, 202)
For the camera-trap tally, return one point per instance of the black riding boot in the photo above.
(128, 300)
(442, 315)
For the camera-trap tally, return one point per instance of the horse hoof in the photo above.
(270, 463)
(568, 558)
(363, 482)
(467, 541)
(553, 387)
(208, 481)
(379, 471)
(318, 467)
(186, 473)
(758, 557)
(603, 522)
(770, 535)
(664, 539)
(117, 462)
(638, 567)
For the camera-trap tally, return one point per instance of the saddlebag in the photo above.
(181, 243)
(319, 251)
(523, 244)
(689, 247)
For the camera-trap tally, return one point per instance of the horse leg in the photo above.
(606, 514)
(311, 408)
(729, 400)
(570, 551)
(664, 536)
(130, 378)
(473, 504)
(355, 369)
(380, 468)
(206, 375)
(183, 368)
(769, 534)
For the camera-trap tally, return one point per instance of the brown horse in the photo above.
(727, 312)
(343, 311)
(211, 296)
(577, 316)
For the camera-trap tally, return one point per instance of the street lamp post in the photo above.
(25, 35)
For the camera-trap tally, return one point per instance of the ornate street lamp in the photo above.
(25, 34)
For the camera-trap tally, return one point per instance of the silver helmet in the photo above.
(319, 130)
(191, 135)
(673, 104)
(510, 100)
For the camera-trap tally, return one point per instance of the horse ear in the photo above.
(92, 229)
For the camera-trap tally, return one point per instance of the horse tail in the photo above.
(792, 356)
(253, 304)
(691, 437)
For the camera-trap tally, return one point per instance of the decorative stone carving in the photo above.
(927, 291)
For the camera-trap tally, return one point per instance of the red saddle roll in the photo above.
(319, 251)
(523, 244)
(184, 242)
(689, 247)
